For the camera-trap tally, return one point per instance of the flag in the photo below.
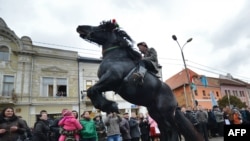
(204, 80)
(214, 102)
(193, 87)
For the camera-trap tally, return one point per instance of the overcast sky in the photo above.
(220, 29)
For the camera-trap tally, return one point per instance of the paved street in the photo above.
(216, 139)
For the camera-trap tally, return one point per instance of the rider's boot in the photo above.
(139, 75)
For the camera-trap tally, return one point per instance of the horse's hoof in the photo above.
(114, 107)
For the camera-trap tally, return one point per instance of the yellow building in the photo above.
(35, 78)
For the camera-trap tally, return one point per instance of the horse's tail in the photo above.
(186, 128)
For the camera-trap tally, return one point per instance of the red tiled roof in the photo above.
(180, 78)
(232, 82)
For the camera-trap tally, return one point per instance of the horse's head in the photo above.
(107, 33)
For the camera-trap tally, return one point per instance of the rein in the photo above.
(110, 48)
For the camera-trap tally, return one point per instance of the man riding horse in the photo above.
(119, 59)
(148, 62)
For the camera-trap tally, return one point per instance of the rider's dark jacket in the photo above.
(151, 56)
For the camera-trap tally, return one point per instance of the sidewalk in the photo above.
(217, 139)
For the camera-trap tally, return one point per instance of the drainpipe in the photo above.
(79, 91)
(30, 89)
(185, 94)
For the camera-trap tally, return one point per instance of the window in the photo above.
(47, 86)
(203, 92)
(8, 85)
(217, 94)
(88, 84)
(4, 53)
(54, 87)
(61, 87)
(196, 92)
(243, 94)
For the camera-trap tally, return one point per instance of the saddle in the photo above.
(129, 75)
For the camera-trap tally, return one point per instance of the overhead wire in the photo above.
(95, 52)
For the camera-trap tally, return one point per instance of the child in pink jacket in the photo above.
(69, 123)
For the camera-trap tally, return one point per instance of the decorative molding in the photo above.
(2, 64)
(2, 38)
(54, 69)
(91, 74)
(24, 59)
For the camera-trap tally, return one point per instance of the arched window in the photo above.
(4, 53)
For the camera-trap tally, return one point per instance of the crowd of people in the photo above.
(210, 123)
(70, 127)
(113, 126)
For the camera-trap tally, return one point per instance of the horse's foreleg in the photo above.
(100, 102)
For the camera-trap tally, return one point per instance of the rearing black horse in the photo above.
(119, 60)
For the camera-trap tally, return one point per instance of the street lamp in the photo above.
(181, 48)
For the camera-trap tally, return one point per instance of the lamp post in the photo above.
(185, 66)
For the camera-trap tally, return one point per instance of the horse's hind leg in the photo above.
(165, 124)
(185, 127)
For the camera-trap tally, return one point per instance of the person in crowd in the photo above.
(144, 127)
(219, 120)
(149, 62)
(202, 117)
(154, 129)
(134, 127)
(75, 114)
(194, 112)
(212, 129)
(245, 116)
(226, 115)
(55, 128)
(88, 132)
(125, 128)
(191, 116)
(27, 135)
(11, 127)
(237, 118)
(41, 128)
(112, 123)
(70, 126)
(100, 128)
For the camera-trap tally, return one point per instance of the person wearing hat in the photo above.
(149, 62)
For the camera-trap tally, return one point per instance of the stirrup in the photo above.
(136, 75)
(138, 78)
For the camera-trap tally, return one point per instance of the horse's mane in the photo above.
(123, 40)
(127, 42)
